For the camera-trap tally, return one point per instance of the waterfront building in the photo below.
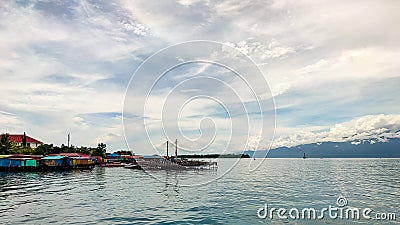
(18, 140)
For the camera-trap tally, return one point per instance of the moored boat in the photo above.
(133, 166)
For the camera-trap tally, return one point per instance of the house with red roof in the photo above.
(17, 139)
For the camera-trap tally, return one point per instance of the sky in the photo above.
(330, 72)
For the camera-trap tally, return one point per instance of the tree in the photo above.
(5, 144)
(100, 150)
(43, 149)
(84, 150)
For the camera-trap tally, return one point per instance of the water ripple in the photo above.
(120, 196)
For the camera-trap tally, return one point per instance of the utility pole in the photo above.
(69, 138)
(24, 140)
(176, 148)
(167, 149)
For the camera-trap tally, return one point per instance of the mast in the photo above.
(167, 148)
(176, 148)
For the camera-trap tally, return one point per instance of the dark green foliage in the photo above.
(6, 147)
(100, 150)
(5, 144)
(42, 149)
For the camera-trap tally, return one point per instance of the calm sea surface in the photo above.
(123, 196)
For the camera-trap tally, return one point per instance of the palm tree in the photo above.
(5, 143)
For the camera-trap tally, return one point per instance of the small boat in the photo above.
(133, 166)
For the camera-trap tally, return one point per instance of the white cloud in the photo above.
(10, 122)
(61, 61)
(376, 127)
(260, 51)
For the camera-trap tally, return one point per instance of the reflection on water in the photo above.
(189, 177)
(122, 196)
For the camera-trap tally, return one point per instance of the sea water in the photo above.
(124, 196)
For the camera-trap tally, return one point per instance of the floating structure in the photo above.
(59, 162)
(113, 160)
(83, 163)
(18, 163)
(158, 162)
(172, 162)
(79, 160)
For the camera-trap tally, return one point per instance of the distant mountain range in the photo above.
(363, 149)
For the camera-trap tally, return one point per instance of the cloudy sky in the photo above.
(332, 69)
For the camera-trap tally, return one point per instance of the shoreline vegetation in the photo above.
(8, 148)
(17, 155)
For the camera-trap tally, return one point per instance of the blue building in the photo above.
(56, 162)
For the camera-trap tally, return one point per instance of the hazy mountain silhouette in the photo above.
(389, 149)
